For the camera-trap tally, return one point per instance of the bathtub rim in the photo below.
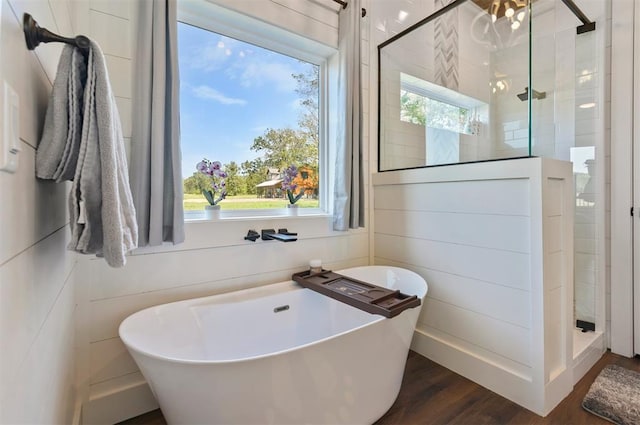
(272, 289)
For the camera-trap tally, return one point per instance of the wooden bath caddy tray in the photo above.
(365, 296)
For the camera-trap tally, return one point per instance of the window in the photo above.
(433, 113)
(254, 110)
(450, 120)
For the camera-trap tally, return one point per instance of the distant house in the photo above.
(306, 180)
(271, 187)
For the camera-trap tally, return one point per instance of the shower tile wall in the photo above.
(37, 303)
(460, 65)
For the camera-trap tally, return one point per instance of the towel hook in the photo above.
(34, 35)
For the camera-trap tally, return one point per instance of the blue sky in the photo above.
(230, 93)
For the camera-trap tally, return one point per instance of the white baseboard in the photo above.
(119, 403)
(77, 412)
(588, 357)
(517, 388)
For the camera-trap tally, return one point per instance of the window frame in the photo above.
(223, 21)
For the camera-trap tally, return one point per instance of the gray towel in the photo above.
(103, 218)
(57, 152)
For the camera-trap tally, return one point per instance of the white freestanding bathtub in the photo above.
(278, 354)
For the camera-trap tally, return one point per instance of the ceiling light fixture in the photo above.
(508, 10)
(493, 11)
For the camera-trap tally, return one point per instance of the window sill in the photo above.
(249, 215)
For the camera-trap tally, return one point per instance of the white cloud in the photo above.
(206, 92)
(261, 72)
(259, 129)
(250, 66)
(210, 56)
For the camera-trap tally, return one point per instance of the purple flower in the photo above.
(202, 166)
(289, 175)
(213, 169)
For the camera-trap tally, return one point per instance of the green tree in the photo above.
(196, 183)
(307, 88)
(284, 147)
(412, 108)
(235, 182)
(254, 173)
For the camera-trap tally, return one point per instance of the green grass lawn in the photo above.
(244, 202)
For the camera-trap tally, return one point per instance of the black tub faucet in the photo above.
(283, 235)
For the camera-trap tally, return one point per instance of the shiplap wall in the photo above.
(37, 301)
(494, 242)
(215, 258)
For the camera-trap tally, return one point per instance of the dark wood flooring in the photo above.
(432, 394)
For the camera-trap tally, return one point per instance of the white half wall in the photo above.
(494, 241)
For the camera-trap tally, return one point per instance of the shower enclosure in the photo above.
(486, 80)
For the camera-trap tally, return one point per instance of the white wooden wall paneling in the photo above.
(112, 33)
(505, 268)
(504, 196)
(289, 18)
(119, 8)
(486, 298)
(27, 295)
(30, 209)
(36, 271)
(528, 346)
(43, 392)
(483, 231)
(146, 273)
(502, 338)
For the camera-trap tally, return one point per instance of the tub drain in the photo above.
(281, 308)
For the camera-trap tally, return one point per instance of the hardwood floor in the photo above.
(432, 394)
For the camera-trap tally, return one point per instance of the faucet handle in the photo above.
(252, 236)
(286, 232)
